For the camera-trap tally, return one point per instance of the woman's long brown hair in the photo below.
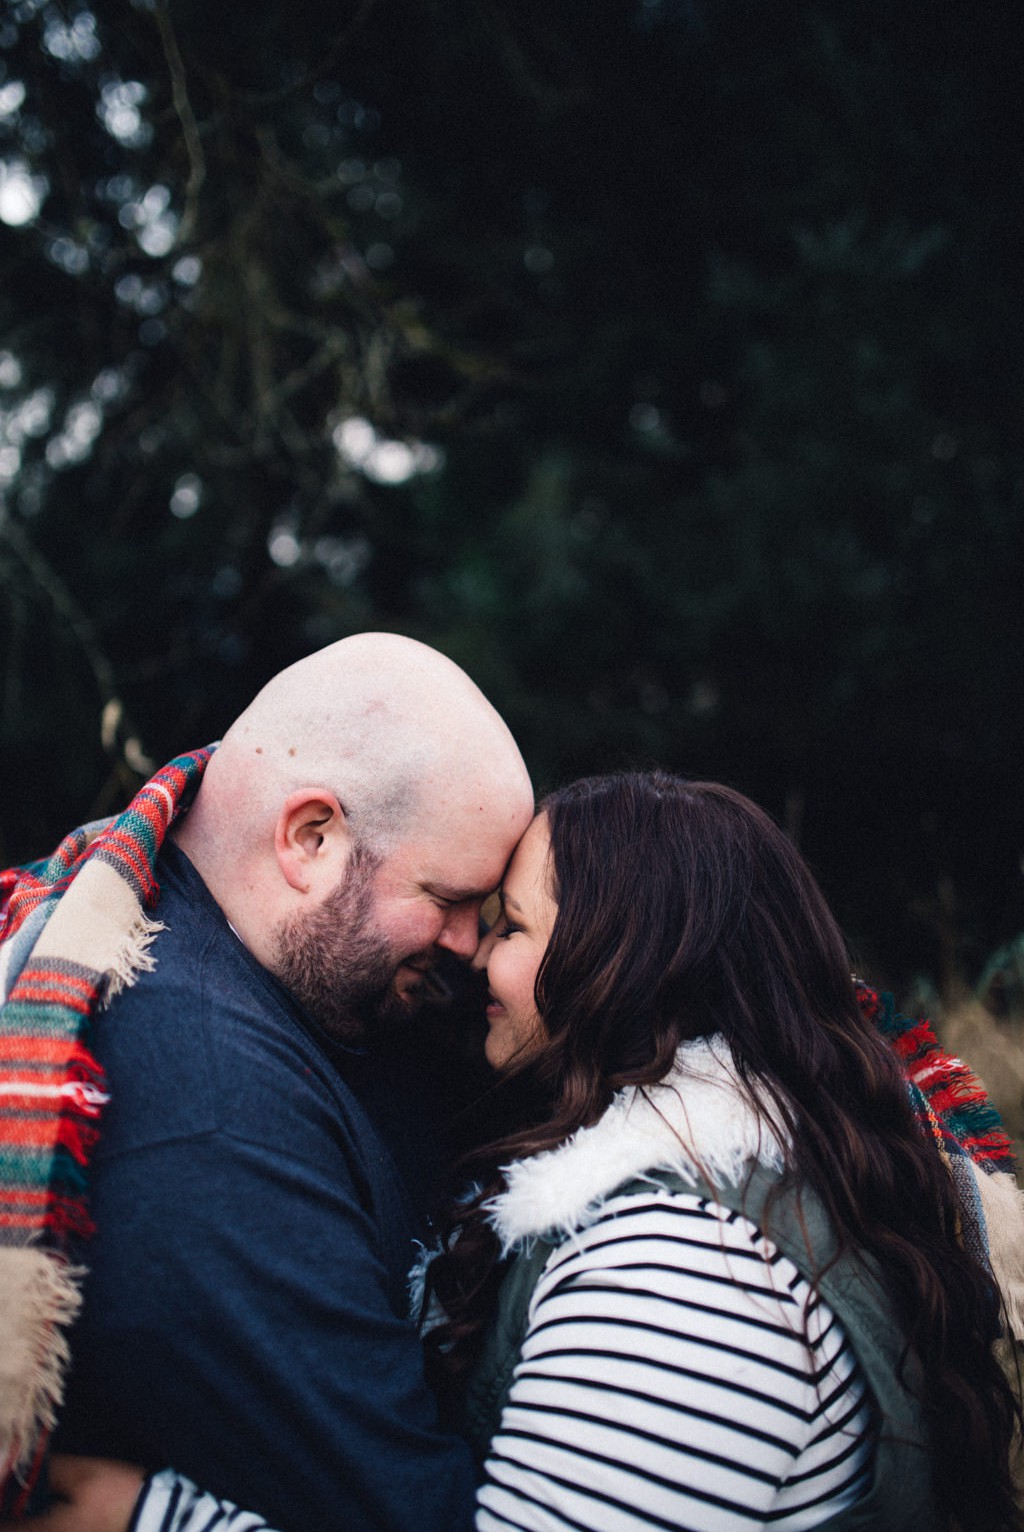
(683, 911)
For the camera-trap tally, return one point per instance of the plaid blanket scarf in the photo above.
(74, 930)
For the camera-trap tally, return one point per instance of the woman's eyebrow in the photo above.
(507, 899)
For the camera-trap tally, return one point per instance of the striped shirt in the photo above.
(677, 1373)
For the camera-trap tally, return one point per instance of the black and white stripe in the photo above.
(677, 1376)
(171, 1503)
(676, 1373)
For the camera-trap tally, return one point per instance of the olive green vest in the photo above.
(899, 1499)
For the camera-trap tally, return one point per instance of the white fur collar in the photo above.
(695, 1120)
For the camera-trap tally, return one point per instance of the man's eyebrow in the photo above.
(456, 895)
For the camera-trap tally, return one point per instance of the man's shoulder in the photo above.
(208, 1041)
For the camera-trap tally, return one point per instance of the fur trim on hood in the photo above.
(695, 1122)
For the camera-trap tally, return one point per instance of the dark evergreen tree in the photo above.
(658, 360)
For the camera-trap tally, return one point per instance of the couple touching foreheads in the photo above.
(721, 1265)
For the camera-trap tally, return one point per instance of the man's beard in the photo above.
(337, 963)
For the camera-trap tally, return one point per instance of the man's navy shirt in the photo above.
(246, 1307)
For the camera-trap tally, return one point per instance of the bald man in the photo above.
(246, 1312)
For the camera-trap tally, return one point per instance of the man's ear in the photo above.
(311, 839)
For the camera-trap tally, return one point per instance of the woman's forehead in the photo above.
(527, 871)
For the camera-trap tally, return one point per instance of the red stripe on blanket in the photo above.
(129, 852)
(47, 1050)
(65, 1215)
(55, 990)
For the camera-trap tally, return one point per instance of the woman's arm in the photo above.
(172, 1503)
(100, 1495)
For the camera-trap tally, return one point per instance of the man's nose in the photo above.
(459, 933)
(483, 950)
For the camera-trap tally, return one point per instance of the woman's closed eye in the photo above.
(504, 928)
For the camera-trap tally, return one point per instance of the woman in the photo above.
(717, 1277)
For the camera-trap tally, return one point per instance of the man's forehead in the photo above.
(460, 848)
(459, 878)
(448, 868)
(473, 837)
(482, 789)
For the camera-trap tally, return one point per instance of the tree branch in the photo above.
(66, 607)
(187, 118)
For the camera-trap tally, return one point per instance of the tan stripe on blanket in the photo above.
(41, 1299)
(101, 925)
(1002, 1204)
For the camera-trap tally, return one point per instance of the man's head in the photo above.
(354, 817)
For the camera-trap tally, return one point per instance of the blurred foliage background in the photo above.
(659, 360)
